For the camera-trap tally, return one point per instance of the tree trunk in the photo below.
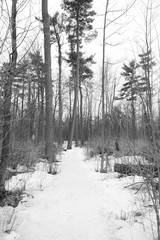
(22, 112)
(29, 109)
(103, 65)
(7, 100)
(69, 146)
(60, 93)
(134, 135)
(38, 122)
(48, 85)
(81, 115)
(76, 129)
(41, 115)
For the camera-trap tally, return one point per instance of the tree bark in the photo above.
(103, 65)
(81, 115)
(41, 115)
(60, 93)
(7, 100)
(48, 85)
(69, 146)
(134, 135)
(22, 110)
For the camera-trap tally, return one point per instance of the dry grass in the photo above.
(126, 147)
(129, 148)
(25, 154)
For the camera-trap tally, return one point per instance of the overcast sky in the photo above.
(127, 33)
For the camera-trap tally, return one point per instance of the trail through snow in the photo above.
(76, 205)
(72, 208)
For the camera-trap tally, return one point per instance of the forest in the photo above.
(85, 74)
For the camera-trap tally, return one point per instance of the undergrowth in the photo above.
(25, 154)
(11, 198)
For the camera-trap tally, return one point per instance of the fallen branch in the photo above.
(130, 185)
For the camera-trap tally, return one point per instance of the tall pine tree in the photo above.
(58, 24)
(129, 89)
(80, 21)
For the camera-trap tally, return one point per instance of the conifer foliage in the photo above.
(80, 18)
(129, 89)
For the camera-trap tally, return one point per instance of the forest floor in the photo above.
(78, 204)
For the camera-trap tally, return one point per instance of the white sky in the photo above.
(128, 30)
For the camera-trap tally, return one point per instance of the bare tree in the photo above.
(103, 83)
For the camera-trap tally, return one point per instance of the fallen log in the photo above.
(141, 170)
(11, 172)
(126, 169)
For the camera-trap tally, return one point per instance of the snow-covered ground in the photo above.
(77, 204)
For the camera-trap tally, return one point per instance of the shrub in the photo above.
(25, 154)
(11, 198)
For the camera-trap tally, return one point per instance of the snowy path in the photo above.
(77, 204)
(72, 207)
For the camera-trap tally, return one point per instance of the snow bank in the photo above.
(80, 203)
